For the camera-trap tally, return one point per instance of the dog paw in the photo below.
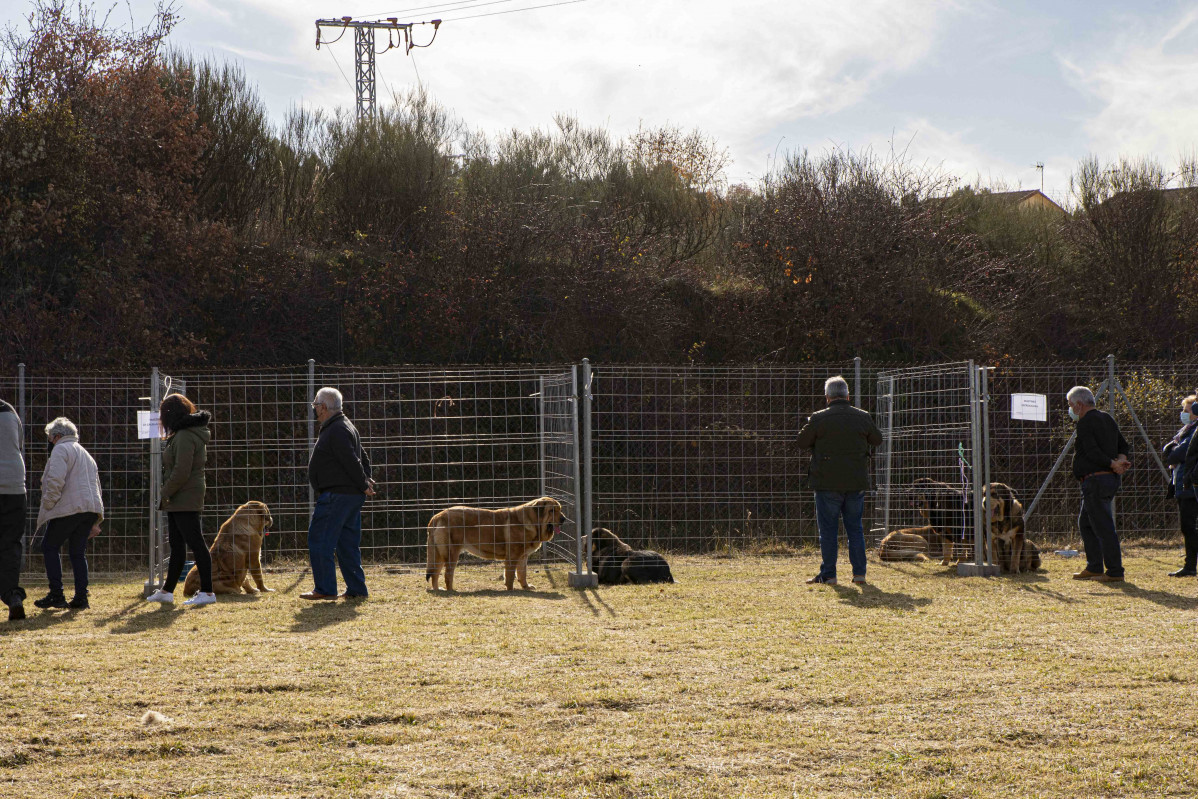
(267, 590)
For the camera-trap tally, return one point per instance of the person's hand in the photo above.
(370, 484)
(1120, 464)
(95, 531)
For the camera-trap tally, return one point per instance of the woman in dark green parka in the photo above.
(183, 457)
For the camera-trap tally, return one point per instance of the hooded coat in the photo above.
(183, 459)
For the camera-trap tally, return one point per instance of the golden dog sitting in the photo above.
(236, 552)
(508, 534)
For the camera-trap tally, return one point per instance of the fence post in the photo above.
(311, 428)
(978, 568)
(857, 381)
(582, 475)
(155, 490)
(541, 426)
(24, 458)
(1110, 403)
(984, 378)
(889, 453)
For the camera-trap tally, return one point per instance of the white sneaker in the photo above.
(200, 599)
(165, 597)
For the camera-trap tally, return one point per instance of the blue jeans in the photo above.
(1096, 523)
(830, 506)
(336, 528)
(73, 529)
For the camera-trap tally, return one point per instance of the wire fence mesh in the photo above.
(697, 459)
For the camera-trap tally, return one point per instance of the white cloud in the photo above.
(1148, 84)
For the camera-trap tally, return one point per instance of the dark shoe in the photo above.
(1107, 578)
(314, 595)
(1184, 573)
(54, 599)
(16, 611)
(348, 595)
(1086, 574)
(79, 602)
(819, 579)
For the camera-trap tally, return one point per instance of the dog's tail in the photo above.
(431, 558)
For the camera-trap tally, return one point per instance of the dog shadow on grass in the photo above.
(870, 596)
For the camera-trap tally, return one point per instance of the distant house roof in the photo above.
(1030, 199)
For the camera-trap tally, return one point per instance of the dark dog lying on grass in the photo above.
(615, 562)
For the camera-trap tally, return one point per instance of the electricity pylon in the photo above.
(399, 34)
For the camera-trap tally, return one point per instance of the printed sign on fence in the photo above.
(147, 425)
(1029, 407)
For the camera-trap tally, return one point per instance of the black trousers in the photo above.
(1096, 523)
(1187, 509)
(75, 529)
(186, 533)
(12, 527)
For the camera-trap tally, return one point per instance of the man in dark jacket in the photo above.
(841, 438)
(1099, 458)
(339, 472)
(12, 510)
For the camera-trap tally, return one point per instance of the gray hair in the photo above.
(1081, 394)
(62, 426)
(836, 388)
(331, 398)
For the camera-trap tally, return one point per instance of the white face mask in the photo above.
(1072, 413)
(1186, 417)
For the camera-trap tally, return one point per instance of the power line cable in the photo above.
(513, 11)
(342, 71)
(436, 7)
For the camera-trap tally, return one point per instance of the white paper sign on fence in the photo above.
(147, 425)
(1029, 407)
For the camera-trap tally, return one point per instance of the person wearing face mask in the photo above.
(71, 511)
(1181, 459)
(1099, 460)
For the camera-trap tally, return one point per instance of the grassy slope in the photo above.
(737, 681)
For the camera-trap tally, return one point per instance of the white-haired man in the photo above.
(339, 472)
(1099, 460)
(841, 438)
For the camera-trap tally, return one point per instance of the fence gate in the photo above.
(934, 422)
(160, 386)
(565, 461)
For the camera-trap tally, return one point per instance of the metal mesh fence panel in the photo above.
(926, 415)
(689, 459)
(703, 459)
(1024, 452)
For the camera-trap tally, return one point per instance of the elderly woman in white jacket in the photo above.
(71, 510)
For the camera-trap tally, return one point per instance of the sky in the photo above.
(982, 90)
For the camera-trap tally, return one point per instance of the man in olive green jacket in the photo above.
(842, 438)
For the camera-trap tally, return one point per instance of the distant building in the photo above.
(1029, 200)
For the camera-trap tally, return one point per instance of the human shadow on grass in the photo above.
(1040, 590)
(104, 621)
(1163, 598)
(37, 618)
(870, 596)
(534, 593)
(323, 614)
(161, 617)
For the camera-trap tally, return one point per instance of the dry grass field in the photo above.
(737, 681)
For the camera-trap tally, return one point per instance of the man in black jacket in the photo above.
(339, 472)
(841, 438)
(1099, 460)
